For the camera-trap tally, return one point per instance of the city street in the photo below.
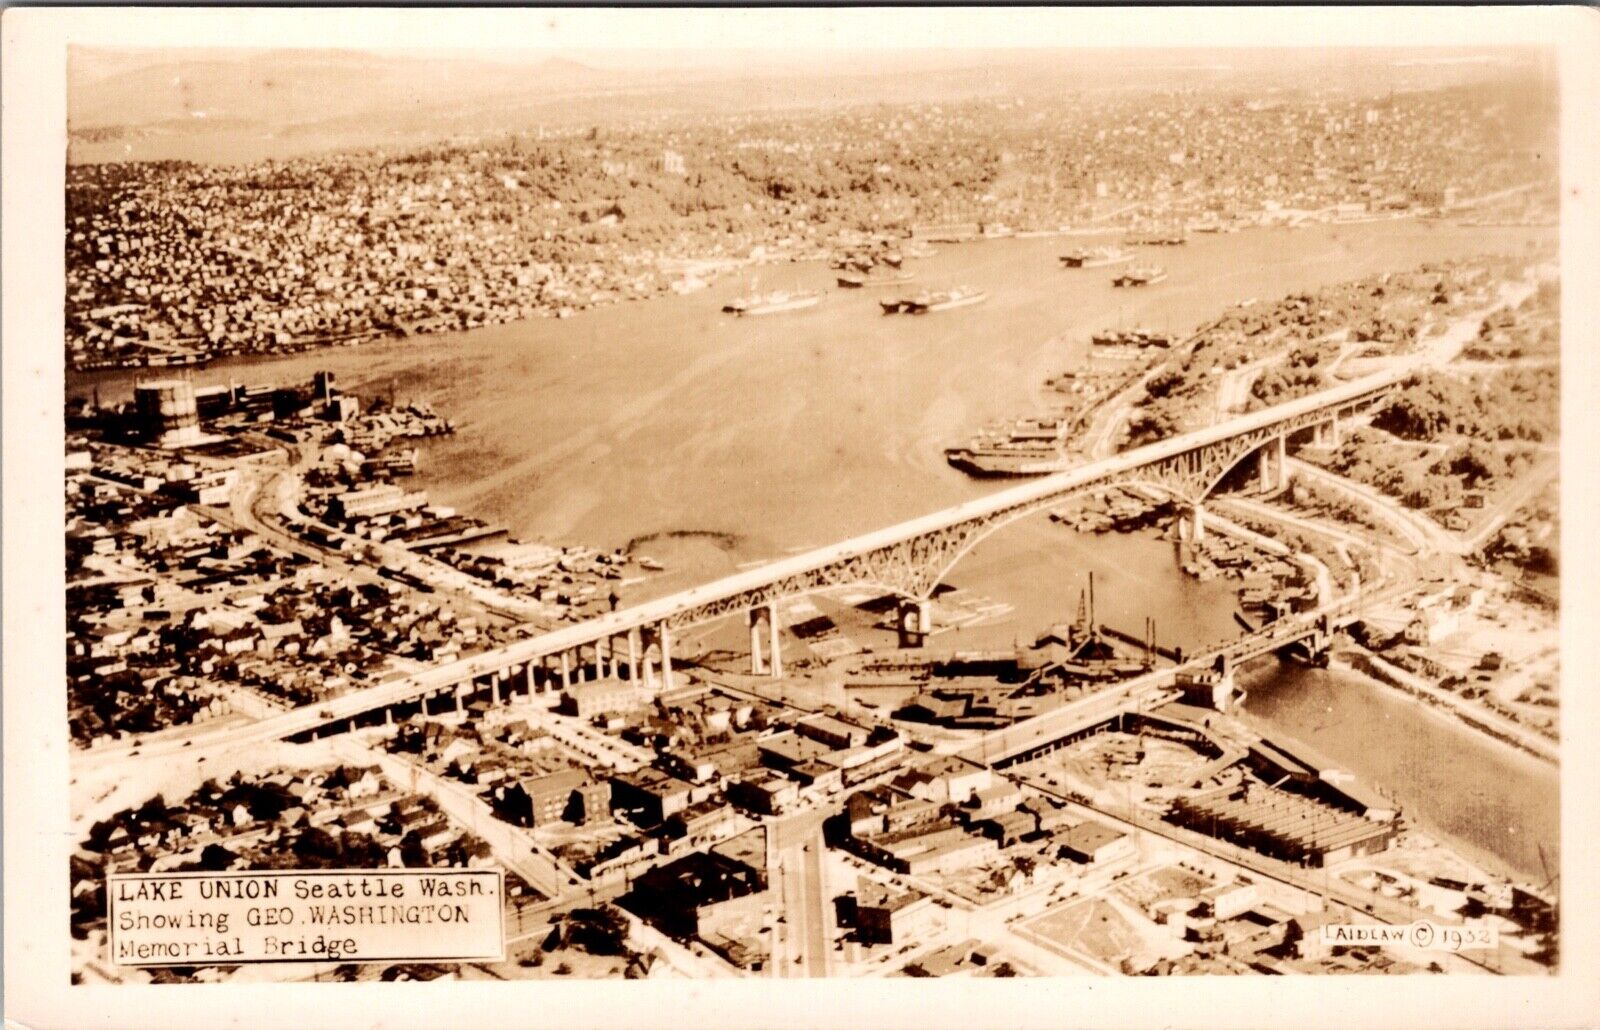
(801, 943)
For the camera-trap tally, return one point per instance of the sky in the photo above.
(796, 31)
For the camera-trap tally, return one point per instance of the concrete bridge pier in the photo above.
(1227, 686)
(664, 634)
(633, 655)
(773, 629)
(914, 619)
(494, 689)
(1272, 465)
(1194, 526)
(566, 671)
(757, 664)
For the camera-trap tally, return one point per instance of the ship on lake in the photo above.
(1142, 275)
(869, 280)
(1130, 338)
(772, 303)
(1098, 257)
(1019, 447)
(936, 300)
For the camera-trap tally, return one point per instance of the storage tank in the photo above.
(168, 413)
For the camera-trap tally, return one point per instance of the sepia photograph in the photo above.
(601, 506)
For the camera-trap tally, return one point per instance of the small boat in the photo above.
(1160, 238)
(1130, 338)
(1146, 275)
(937, 300)
(1099, 257)
(858, 280)
(772, 303)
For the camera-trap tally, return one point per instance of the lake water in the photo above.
(718, 441)
(795, 430)
(1497, 804)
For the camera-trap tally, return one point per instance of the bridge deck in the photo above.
(659, 611)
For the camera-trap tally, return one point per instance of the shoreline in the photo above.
(1414, 809)
(1483, 860)
(1359, 661)
(85, 378)
(711, 271)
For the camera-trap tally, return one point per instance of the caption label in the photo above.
(1423, 934)
(354, 915)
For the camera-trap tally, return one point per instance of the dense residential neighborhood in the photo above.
(1235, 623)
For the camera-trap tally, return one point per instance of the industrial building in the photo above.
(168, 414)
(1282, 824)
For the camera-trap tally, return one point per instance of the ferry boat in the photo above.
(1147, 275)
(999, 458)
(772, 303)
(1099, 257)
(858, 280)
(937, 300)
(1024, 447)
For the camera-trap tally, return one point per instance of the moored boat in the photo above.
(998, 459)
(1145, 275)
(1099, 257)
(936, 300)
(1130, 338)
(857, 280)
(772, 303)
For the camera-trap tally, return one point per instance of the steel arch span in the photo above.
(911, 564)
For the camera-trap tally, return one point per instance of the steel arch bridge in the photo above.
(912, 558)
(908, 559)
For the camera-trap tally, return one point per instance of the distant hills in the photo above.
(223, 105)
(286, 87)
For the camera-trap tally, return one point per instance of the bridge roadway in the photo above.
(1143, 691)
(784, 577)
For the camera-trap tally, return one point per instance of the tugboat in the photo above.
(1146, 275)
